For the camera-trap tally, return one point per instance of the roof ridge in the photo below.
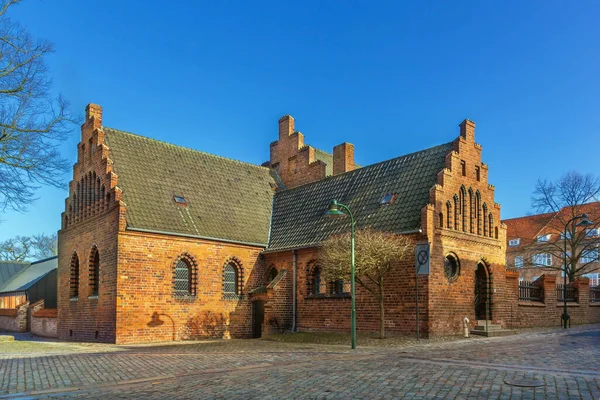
(185, 148)
(43, 260)
(529, 216)
(366, 167)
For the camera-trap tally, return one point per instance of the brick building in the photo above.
(535, 243)
(160, 242)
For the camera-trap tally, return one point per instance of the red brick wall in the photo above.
(148, 311)
(318, 313)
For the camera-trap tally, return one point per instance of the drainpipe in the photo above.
(294, 291)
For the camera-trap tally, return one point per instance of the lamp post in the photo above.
(585, 221)
(334, 211)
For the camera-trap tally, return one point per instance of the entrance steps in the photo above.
(490, 329)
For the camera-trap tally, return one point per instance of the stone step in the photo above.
(481, 322)
(490, 327)
(502, 332)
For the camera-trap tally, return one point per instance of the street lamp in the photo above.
(334, 211)
(585, 221)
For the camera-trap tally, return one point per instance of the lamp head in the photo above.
(585, 221)
(334, 209)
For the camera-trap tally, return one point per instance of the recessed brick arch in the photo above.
(192, 264)
(74, 275)
(94, 271)
(236, 262)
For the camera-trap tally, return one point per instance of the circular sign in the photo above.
(422, 257)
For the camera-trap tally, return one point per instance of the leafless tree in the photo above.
(568, 198)
(32, 121)
(376, 254)
(26, 248)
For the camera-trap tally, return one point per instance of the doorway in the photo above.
(258, 317)
(483, 309)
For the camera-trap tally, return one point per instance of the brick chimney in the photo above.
(343, 158)
(467, 130)
(286, 126)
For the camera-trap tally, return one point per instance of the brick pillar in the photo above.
(286, 126)
(583, 298)
(548, 282)
(467, 130)
(94, 111)
(343, 158)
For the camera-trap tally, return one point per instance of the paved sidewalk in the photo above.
(566, 364)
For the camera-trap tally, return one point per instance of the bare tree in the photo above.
(376, 253)
(568, 198)
(32, 121)
(25, 248)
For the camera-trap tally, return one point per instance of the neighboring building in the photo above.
(535, 243)
(160, 242)
(31, 282)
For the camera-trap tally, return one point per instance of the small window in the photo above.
(388, 199)
(292, 165)
(514, 242)
(315, 282)
(180, 200)
(74, 277)
(451, 267)
(477, 173)
(589, 256)
(592, 232)
(94, 272)
(230, 280)
(339, 287)
(544, 238)
(519, 262)
(463, 166)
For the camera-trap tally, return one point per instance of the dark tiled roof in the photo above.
(299, 214)
(226, 199)
(327, 158)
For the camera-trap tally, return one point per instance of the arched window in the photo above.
(272, 274)
(463, 208)
(449, 214)
(456, 213)
(316, 281)
(182, 283)
(496, 232)
(478, 211)
(230, 280)
(485, 220)
(441, 217)
(74, 277)
(491, 225)
(94, 271)
(471, 211)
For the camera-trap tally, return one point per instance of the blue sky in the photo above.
(392, 78)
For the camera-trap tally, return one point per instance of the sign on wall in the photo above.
(422, 259)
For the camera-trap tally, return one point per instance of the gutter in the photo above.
(196, 237)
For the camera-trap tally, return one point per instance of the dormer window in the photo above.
(514, 242)
(388, 199)
(180, 200)
(544, 238)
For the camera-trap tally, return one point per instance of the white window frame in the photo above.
(514, 242)
(584, 256)
(544, 238)
(592, 232)
(544, 259)
(518, 261)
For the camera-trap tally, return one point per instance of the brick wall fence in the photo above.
(548, 310)
(43, 320)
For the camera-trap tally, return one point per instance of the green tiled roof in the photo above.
(299, 214)
(226, 199)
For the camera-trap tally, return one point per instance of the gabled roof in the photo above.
(299, 218)
(226, 199)
(30, 275)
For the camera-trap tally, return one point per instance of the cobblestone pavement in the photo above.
(565, 364)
